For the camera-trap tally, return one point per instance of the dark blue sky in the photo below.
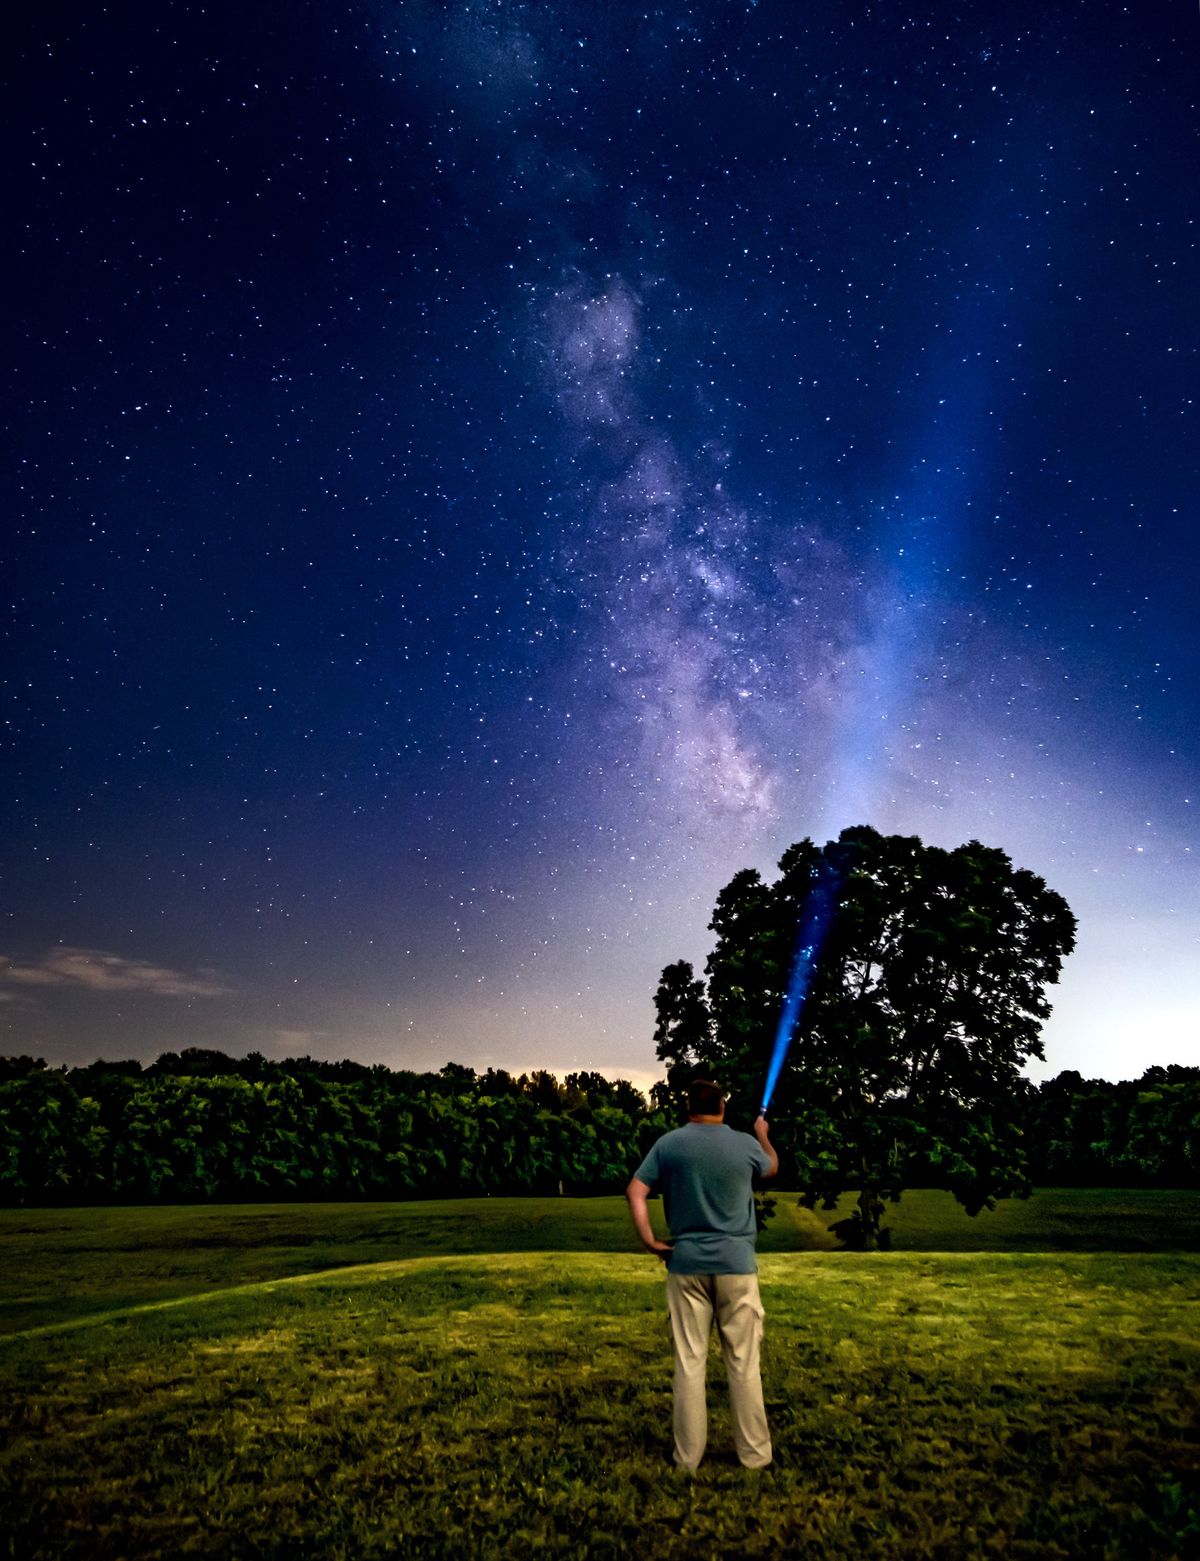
(480, 474)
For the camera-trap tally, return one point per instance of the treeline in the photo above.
(199, 1125)
(1136, 1133)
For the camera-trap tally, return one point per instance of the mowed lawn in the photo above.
(161, 1396)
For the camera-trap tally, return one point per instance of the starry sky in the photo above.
(480, 473)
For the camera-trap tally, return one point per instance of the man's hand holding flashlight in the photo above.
(761, 1133)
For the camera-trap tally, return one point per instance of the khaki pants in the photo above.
(692, 1301)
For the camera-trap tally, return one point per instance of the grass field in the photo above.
(494, 1379)
(61, 1263)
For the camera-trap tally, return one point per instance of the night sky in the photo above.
(480, 474)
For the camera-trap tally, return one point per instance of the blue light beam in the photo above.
(814, 924)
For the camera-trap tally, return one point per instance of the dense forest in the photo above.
(199, 1125)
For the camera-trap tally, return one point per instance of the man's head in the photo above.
(705, 1099)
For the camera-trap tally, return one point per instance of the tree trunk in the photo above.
(870, 1212)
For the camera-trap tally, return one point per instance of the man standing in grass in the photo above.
(706, 1173)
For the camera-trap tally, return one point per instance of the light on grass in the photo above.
(814, 924)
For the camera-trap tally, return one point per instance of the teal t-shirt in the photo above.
(705, 1172)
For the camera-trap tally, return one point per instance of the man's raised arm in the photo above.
(760, 1132)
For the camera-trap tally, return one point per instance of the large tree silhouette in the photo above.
(927, 997)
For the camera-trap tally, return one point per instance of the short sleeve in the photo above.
(649, 1171)
(760, 1159)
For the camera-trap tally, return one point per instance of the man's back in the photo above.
(705, 1171)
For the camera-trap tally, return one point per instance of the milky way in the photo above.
(485, 473)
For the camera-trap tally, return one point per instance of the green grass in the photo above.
(354, 1380)
(61, 1263)
(921, 1405)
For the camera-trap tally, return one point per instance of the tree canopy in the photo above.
(927, 997)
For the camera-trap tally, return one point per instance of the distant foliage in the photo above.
(1136, 1133)
(199, 1125)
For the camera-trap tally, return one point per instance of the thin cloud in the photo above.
(93, 970)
